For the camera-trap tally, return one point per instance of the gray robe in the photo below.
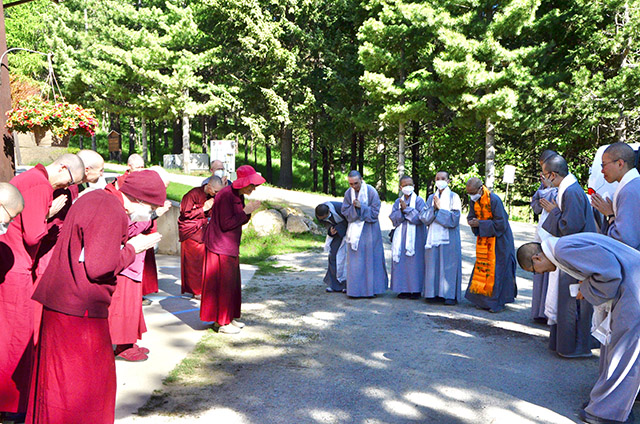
(407, 275)
(443, 263)
(366, 269)
(624, 227)
(540, 281)
(611, 271)
(331, 278)
(504, 288)
(571, 336)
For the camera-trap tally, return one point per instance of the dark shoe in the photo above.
(450, 302)
(592, 419)
(496, 309)
(415, 296)
(13, 417)
(403, 295)
(132, 355)
(575, 355)
(431, 300)
(146, 302)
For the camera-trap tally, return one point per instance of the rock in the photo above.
(291, 211)
(313, 227)
(296, 224)
(268, 222)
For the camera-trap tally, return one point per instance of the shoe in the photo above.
(237, 323)
(450, 302)
(496, 309)
(146, 302)
(344, 290)
(575, 355)
(228, 329)
(330, 290)
(132, 355)
(142, 349)
(592, 419)
(415, 295)
(403, 295)
(432, 299)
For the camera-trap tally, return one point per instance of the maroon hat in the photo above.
(246, 176)
(146, 186)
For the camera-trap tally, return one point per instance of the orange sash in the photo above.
(484, 273)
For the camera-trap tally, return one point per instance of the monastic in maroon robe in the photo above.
(20, 245)
(221, 294)
(191, 225)
(75, 365)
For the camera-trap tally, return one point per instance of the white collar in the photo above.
(549, 248)
(566, 182)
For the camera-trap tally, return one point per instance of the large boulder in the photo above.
(291, 211)
(296, 224)
(268, 222)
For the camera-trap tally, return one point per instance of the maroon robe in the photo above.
(150, 273)
(126, 320)
(19, 248)
(191, 225)
(221, 294)
(74, 376)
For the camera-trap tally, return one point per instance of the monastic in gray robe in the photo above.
(406, 274)
(624, 227)
(611, 272)
(504, 288)
(366, 269)
(331, 277)
(540, 281)
(571, 337)
(443, 263)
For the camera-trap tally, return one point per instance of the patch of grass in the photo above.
(176, 191)
(256, 250)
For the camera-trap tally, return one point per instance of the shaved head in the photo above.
(556, 164)
(525, 254)
(11, 200)
(617, 151)
(473, 184)
(71, 162)
(216, 165)
(546, 155)
(164, 175)
(93, 163)
(354, 174)
(135, 162)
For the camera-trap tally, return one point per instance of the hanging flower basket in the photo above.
(63, 119)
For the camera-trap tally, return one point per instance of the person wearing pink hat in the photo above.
(221, 287)
(76, 290)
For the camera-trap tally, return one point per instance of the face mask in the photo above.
(441, 184)
(4, 227)
(407, 190)
(141, 213)
(475, 197)
(219, 173)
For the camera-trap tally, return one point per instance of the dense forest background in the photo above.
(310, 89)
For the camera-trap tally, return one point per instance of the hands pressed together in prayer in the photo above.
(604, 206)
(473, 222)
(252, 206)
(57, 204)
(403, 204)
(208, 204)
(547, 205)
(142, 242)
(436, 202)
(356, 203)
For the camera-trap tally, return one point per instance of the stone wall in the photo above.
(168, 227)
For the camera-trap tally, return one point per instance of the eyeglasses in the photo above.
(70, 176)
(607, 163)
(11, 218)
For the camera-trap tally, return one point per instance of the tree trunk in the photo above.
(354, 151)
(381, 185)
(490, 154)
(269, 170)
(152, 140)
(415, 157)
(205, 135)
(255, 155)
(186, 143)
(332, 174)
(361, 153)
(286, 165)
(177, 137)
(325, 170)
(401, 148)
(132, 135)
(165, 134)
(81, 143)
(246, 149)
(143, 138)
(313, 162)
(93, 143)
